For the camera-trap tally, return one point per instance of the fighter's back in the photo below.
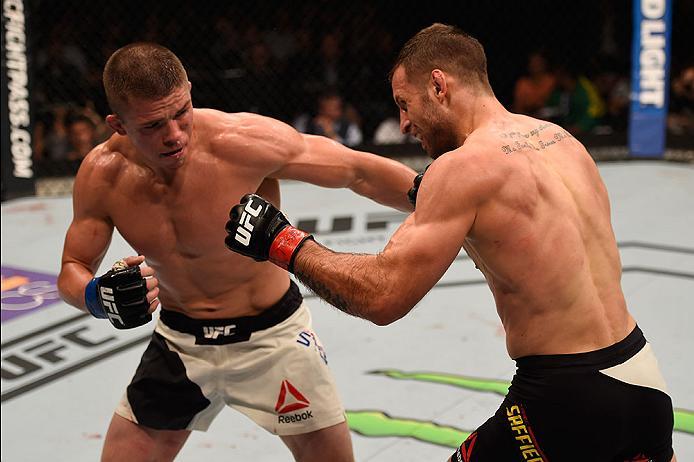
(544, 240)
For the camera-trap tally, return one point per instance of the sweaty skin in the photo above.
(526, 202)
(169, 194)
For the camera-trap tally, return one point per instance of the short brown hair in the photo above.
(142, 70)
(445, 47)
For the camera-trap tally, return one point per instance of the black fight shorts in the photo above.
(606, 405)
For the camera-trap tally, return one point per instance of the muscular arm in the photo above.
(283, 153)
(385, 287)
(327, 163)
(87, 238)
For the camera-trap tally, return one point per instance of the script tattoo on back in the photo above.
(525, 141)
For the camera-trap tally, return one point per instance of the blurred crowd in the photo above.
(329, 80)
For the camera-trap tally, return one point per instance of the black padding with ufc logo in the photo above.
(123, 294)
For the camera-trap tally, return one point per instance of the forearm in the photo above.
(380, 288)
(329, 164)
(358, 285)
(72, 282)
(386, 181)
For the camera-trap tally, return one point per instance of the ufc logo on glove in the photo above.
(269, 237)
(109, 303)
(243, 232)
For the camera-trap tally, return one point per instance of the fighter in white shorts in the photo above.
(232, 331)
(271, 367)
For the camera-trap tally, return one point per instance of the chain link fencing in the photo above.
(278, 57)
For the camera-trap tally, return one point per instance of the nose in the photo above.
(404, 123)
(172, 135)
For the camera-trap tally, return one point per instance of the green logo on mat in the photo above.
(379, 424)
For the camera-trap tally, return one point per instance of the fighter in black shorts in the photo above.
(525, 200)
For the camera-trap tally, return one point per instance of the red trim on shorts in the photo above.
(465, 450)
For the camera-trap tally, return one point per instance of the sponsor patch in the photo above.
(289, 400)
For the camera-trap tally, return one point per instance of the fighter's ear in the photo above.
(440, 86)
(115, 123)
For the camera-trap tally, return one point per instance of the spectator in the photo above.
(328, 69)
(60, 62)
(532, 90)
(68, 133)
(83, 133)
(281, 39)
(575, 102)
(681, 117)
(373, 48)
(612, 83)
(297, 79)
(50, 134)
(261, 83)
(226, 52)
(332, 120)
(388, 132)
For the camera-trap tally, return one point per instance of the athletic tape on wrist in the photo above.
(91, 298)
(285, 245)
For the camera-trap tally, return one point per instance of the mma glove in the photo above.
(258, 230)
(121, 296)
(412, 193)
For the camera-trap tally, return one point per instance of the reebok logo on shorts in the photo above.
(290, 399)
(293, 402)
(465, 450)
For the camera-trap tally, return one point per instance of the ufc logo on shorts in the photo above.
(109, 303)
(243, 232)
(215, 331)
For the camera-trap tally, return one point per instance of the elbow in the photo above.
(383, 321)
(386, 312)
(68, 292)
(390, 299)
(61, 286)
(64, 292)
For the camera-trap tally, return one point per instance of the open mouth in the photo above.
(171, 153)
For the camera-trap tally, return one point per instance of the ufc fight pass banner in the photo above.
(17, 163)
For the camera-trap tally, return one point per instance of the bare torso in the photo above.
(543, 239)
(178, 225)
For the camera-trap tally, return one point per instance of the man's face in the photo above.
(160, 129)
(331, 107)
(422, 116)
(81, 133)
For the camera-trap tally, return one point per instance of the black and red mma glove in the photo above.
(258, 230)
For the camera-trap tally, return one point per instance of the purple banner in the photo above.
(25, 292)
